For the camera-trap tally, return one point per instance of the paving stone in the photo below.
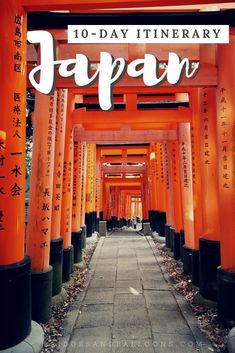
(126, 264)
(160, 300)
(128, 287)
(95, 319)
(150, 272)
(102, 283)
(160, 284)
(151, 276)
(148, 265)
(108, 276)
(124, 302)
(107, 262)
(126, 256)
(145, 254)
(131, 318)
(106, 268)
(126, 275)
(132, 332)
(97, 307)
(171, 343)
(101, 296)
(90, 340)
(165, 321)
(132, 346)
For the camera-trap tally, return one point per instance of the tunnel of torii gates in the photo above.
(165, 154)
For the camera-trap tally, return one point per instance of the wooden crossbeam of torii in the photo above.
(125, 150)
(46, 5)
(81, 116)
(123, 181)
(123, 136)
(131, 188)
(123, 169)
(124, 160)
(134, 126)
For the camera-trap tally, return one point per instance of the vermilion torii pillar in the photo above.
(152, 178)
(197, 185)
(40, 204)
(90, 189)
(178, 220)
(187, 194)
(168, 178)
(83, 194)
(77, 187)
(56, 249)
(76, 209)
(15, 294)
(209, 244)
(162, 204)
(168, 226)
(66, 207)
(145, 197)
(173, 236)
(226, 155)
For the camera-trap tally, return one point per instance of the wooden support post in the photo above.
(101, 190)
(77, 187)
(197, 185)
(83, 195)
(94, 174)
(98, 184)
(226, 155)
(187, 194)
(153, 177)
(66, 207)
(162, 193)
(144, 197)
(40, 204)
(169, 187)
(209, 245)
(178, 219)
(90, 189)
(161, 182)
(56, 247)
(76, 203)
(83, 183)
(15, 294)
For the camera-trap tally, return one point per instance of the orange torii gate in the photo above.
(15, 321)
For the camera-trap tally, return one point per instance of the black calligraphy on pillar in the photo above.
(83, 154)
(174, 166)
(15, 169)
(75, 175)
(50, 136)
(60, 125)
(156, 162)
(17, 56)
(161, 163)
(205, 117)
(185, 164)
(2, 176)
(223, 131)
(193, 154)
(1, 220)
(166, 165)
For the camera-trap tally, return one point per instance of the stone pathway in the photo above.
(129, 306)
